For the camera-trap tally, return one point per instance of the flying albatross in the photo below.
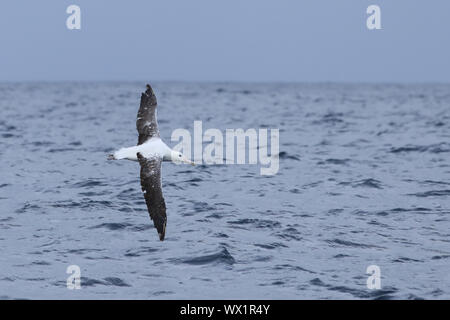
(150, 152)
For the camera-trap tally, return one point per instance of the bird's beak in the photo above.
(186, 160)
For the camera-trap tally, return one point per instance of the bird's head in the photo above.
(178, 157)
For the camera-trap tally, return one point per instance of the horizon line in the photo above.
(352, 82)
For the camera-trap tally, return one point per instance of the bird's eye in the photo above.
(179, 155)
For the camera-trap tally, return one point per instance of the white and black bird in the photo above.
(150, 152)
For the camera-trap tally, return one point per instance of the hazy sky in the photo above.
(225, 40)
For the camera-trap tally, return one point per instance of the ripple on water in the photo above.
(381, 294)
(221, 257)
(341, 162)
(270, 246)
(293, 268)
(345, 243)
(433, 148)
(90, 183)
(256, 223)
(108, 281)
(142, 251)
(289, 234)
(286, 156)
(86, 203)
(399, 211)
(432, 193)
(365, 183)
(119, 226)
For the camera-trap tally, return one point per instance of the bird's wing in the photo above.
(151, 186)
(146, 123)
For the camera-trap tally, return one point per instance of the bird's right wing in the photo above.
(146, 123)
(151, 186)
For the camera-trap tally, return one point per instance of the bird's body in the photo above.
(152, 148)
(150, 152)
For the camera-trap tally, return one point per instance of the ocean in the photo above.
(363, 180)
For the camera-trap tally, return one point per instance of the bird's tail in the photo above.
(111, 157)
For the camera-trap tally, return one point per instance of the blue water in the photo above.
(364, 180)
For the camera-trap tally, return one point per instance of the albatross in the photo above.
(150, 152)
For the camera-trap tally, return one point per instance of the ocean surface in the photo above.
(364, 180)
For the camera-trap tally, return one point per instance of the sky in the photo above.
(225, 40)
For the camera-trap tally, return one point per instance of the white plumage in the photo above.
(154, 147)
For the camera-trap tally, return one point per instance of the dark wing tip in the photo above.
(149, 90)
(148, 97)
(163, 232)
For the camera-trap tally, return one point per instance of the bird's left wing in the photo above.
(146, 123)
(151, 186)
